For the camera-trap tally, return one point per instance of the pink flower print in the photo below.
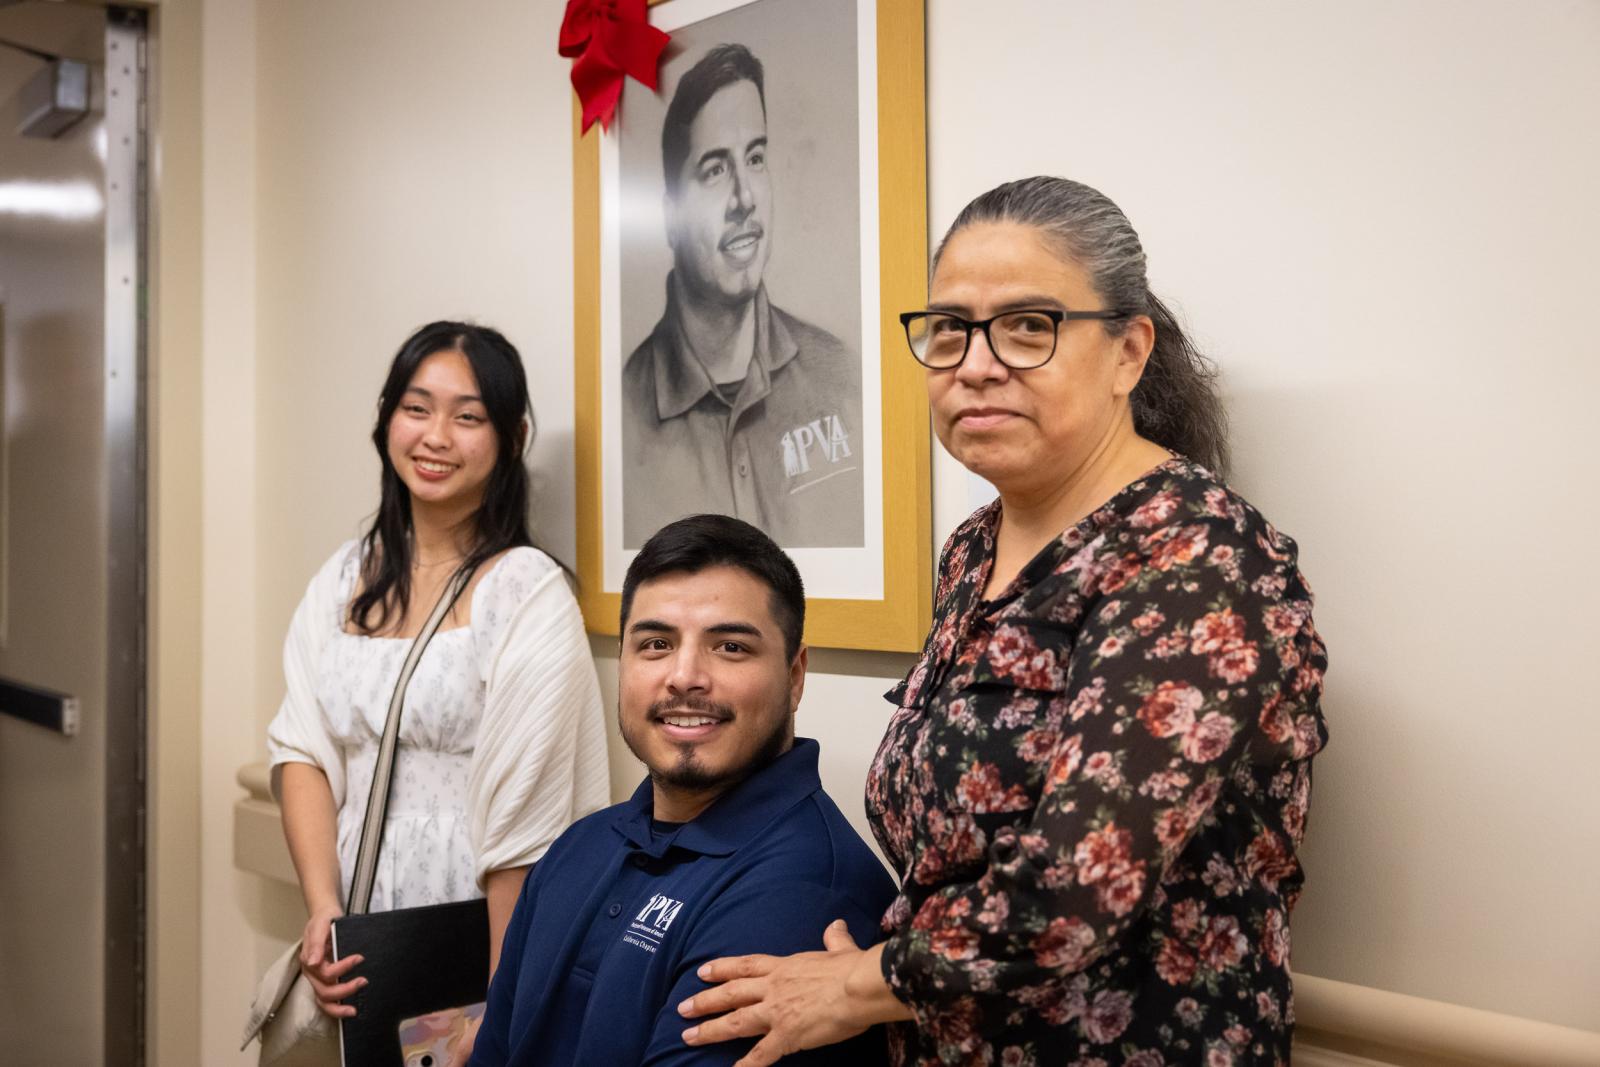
(1208, 738)
(1236, 664)
(1223, 945)
(1216, 632)
(1108, 1016)
(1171, 709)
(1064, 944)
(1156, 510)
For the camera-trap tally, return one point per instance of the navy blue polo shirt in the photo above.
(617, 916)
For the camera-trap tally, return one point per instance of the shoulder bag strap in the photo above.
(383, 773)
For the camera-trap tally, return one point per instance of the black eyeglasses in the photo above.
(1022, 340)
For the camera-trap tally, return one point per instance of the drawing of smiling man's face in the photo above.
(719, 209)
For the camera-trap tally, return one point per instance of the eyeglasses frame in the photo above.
(1056, 315)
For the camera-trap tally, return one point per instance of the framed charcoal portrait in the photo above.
(743, 239)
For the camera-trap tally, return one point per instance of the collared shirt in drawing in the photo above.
(783, 454)
(615, 919)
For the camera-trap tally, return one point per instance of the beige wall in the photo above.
(176, 843)
(1375, 215)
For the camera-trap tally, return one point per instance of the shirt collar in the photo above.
(734, 818)
(681, 379)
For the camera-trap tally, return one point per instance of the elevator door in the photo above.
(71, 809)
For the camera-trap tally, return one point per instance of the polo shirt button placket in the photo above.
(746, 495)
(614, 910)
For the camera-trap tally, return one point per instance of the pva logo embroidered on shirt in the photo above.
(649, 927)
(659, 912)
(819, 440)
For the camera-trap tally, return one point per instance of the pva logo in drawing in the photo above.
(660, 912)
(816, 441)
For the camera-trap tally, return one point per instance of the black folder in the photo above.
(418, 960)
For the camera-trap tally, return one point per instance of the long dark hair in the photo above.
(501, 522)
(1175, 403)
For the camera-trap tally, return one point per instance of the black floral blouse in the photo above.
(1094, 788)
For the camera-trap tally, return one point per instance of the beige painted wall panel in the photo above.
(175, 503)
(233, 913)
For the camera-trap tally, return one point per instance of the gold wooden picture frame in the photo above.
(894, 613)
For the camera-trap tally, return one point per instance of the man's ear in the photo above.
(797, 679)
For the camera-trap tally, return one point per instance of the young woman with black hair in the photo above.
(502, 743)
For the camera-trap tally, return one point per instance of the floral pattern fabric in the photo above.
(1094, 787)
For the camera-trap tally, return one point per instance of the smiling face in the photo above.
(719, 219)
(1028, 430)
(440, 439)
(706, 694)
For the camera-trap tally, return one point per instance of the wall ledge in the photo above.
(258, 845)
(1404, 1029)
(1337, 1024)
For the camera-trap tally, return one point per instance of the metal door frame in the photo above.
(126, 338)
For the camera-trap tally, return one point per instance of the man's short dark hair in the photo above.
(698, 542)
(717, 69)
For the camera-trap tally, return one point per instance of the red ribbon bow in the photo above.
(608, 39)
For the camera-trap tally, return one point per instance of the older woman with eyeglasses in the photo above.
(1097, 777)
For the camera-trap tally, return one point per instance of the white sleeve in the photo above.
(299, 732)
(539, 762)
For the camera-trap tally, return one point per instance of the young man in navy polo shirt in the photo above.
(729, 848)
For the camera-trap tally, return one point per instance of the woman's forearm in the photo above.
(310, 826)
(502, 888)
(870, 994)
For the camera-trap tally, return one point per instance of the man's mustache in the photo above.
(699, 705)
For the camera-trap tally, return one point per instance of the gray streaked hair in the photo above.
(1175, 404)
